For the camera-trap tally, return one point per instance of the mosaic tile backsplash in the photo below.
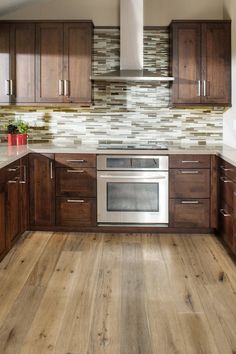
(123, 111)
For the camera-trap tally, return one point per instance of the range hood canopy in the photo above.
(131, 47)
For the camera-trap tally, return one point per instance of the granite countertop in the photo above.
(10, 154)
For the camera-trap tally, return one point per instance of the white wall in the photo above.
(229, 122)
(106, 12)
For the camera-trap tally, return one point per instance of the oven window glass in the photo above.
(135, 197)
(118, 162)
(145, 163)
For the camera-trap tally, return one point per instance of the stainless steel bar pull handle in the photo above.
(75, 201)
(204, 88)
(60, 88)
(225, 169)
(225, 180)
(189, 172)
(186, 161)
(75, 171)
(24, 178)
(67, 87)
(11, 88)
(199, 88)
(189, 202)
(225, 214)
(51, 170)
(7, 88)
(76, 161)
(134, 177)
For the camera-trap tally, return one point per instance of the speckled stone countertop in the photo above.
(10, 154)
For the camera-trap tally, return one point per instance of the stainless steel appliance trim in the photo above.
(124, 217)
(163, 162)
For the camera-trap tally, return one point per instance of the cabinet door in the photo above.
(49, 62)
(216, 63)
(77, 59)
(13, 227)
(186, 63)
(23, 62)
(24, 195)
(2, 223)
(42, 189)
(4, 63)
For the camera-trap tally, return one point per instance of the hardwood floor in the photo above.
(67, 293)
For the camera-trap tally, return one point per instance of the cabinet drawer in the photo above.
(226, 223)
(75, 160)
(190, 161)
(76, 182)
(227, 191)
(76, 212)
(227, 170)
(190, 183)
(13, 171)
(190, 213)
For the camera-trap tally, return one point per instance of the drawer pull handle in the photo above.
(75, 171)
(12, 182)
(226, 169)
(190, 172)
(186, 161)
(76, 161)
(225, 214)
(13, 169)
(75, 201)
(225, 180)
(189, 202)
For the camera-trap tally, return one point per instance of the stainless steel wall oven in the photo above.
(132, 190)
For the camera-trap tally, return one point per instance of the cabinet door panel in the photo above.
(42, 190)
(49, 62)
(24, 195)
(216, 63)
(2, 223)
(23, 62)
(226, 222)
(13, 228)
(186, 63)
(190, 213)
(76, 212)
(77, 58)
(76, 182)
(4, 63)
(190, 183)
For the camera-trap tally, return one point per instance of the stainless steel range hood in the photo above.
(131, 47)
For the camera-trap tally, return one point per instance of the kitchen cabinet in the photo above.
(63, 67)
(190, 191)
(76, 186)
(17, 63)
(24, 195)
(2, 214)
(42, 190)
(227, 204)
(201, 62)
(12, 202)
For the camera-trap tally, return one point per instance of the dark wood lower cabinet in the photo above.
(42, 190)
(24, 195)
(189, 213)
(2, 224)
(73, 212)
(226, 224)
(13, 225)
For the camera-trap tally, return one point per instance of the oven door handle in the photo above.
(133, 177)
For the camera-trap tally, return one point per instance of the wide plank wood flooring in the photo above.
(83, 293)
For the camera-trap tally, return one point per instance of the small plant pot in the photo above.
(11, 138)
(21, 139)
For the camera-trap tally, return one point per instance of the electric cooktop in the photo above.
(132, 146)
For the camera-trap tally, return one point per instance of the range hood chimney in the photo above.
(131, 47)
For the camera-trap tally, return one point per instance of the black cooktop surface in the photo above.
(132, 146)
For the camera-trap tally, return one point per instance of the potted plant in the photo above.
(17, 133)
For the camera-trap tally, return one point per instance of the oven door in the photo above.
(132, 197)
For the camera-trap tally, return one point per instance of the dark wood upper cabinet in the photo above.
(42, 190)
(201, 62)
(23, 63)
(17, 63)
(63, 66)
(4, 63)
(77, 61)
(49, 62)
